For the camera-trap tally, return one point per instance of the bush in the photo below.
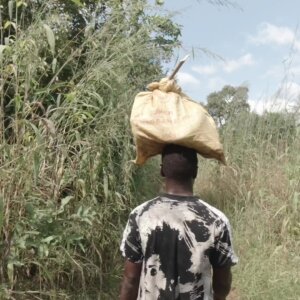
(67, 183)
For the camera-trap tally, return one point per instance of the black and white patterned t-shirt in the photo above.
(178, 239)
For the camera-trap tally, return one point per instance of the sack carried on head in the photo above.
(165, 115)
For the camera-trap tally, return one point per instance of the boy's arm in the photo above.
(131, 280)
(221, 282)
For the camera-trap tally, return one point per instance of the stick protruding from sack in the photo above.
(179, 65)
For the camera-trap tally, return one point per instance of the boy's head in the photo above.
(179, 163)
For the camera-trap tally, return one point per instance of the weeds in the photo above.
(66, 178)
(259, 191)
(67, 183)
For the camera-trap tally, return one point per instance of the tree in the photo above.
(227, 103)
(74, 29)
(68, 76)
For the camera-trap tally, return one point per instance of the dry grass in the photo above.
(260, 192)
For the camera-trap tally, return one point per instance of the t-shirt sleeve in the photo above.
(222, 253)
(131, 243)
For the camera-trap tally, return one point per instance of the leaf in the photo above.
(10, 271)
(21, 242)
(10, 8)
(29, 208)
(36, 164)
(81, 247)
(18, 102)
(78, 3)
(79, 212)
(1, 213)
(50, 38)
(43, 250)
(81, 184)
(9, 23)
(58, 99)
(49, 239)
(97, 97)
(54, 63)
(37, 133)
(64, 202)
(2, 48)
(296, 201)
(88, 221)
(50, 126)
(70, 97)
(32, 232)
(105, 186)
(20, 3)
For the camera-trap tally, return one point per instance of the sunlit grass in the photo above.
(67, 181)
(260, 192)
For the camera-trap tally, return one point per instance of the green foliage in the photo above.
(68, 75)
(227, 103)
(259, 191)
(276, 129)
(279, 126)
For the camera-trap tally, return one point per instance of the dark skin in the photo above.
(131, 280)
(221, 282)
(222, 277)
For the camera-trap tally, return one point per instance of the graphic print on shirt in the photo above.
(177, 240)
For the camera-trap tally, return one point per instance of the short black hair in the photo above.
(179, 162)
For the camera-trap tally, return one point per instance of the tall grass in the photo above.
(67, 183)
(260, 192)
(66, 178)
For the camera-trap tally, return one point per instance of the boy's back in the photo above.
(178, 239)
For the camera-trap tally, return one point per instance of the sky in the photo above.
(251, 42)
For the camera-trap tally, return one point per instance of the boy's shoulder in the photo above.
(213, 211)
(216, 211)
(145, 205)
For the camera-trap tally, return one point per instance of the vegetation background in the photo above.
(69, 71)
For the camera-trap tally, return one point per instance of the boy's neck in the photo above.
(180, 188)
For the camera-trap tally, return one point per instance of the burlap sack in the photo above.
(165, 115)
